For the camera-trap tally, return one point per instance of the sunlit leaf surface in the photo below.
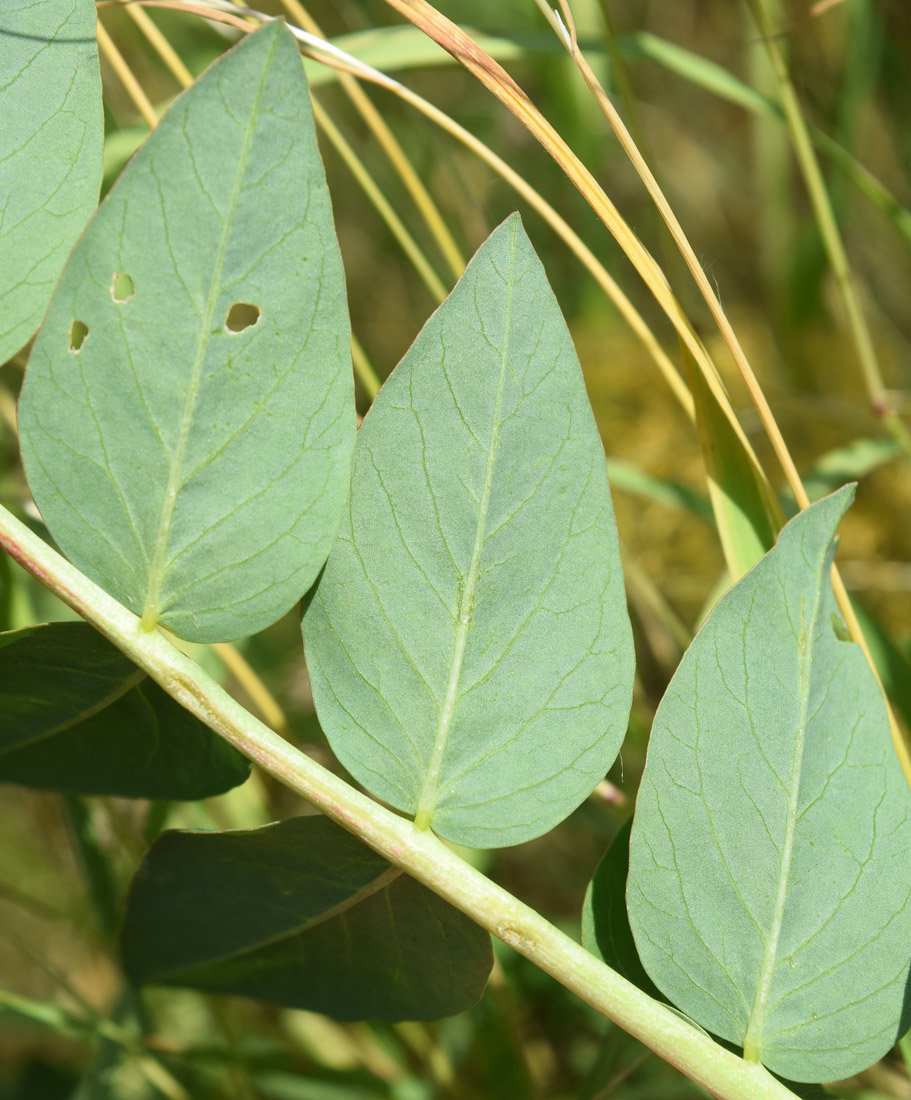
(50, 151)
(468, 643)
(770, 860)
(187, 417)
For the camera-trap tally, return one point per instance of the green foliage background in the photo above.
(64, 863)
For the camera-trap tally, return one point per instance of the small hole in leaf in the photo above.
(242, 316)
(122, 288)
(79, 333)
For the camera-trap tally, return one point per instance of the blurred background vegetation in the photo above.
(68, 1026)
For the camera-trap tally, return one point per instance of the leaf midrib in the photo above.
(752, 1044)
(151, 607)
(381, 882)
(428, 797)
(124, 687)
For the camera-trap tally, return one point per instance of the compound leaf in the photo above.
(78, 716)
(300, 914)
(468, 643)
(769, 880)
(187, 416)
(50, 151)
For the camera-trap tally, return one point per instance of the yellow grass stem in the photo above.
(584, 254)
(363, 370)
(382, 205)
(494, 77)
(125, 74)
(161, 45)
(456, 42)
(567, 34)
(831, 236)
(260, 696)
(421, 197)
(566, 31)
(569, 236)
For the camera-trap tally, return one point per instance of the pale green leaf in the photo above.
(300, 914)
(468, 643)
(50, 151)
(78, 716)
(187, 416)
(770, 860)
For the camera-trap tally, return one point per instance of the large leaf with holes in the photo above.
(50, 151)
(187, 416)
(79, 716)
(300, 914)
(468, 643)
(770, 861)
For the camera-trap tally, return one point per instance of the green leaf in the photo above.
(769, 862)
(50, 152)
(891, 662)
(468, 643)
(746, 511)
(187, 417)
(79, 716)
(605, 921)
(628, 478)
(300, 914)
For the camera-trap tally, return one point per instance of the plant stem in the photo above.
(418, 852)
(828, 228)
(95, 863)
(421, 197)
(134, 89)
(380, 203)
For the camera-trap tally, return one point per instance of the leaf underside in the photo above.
(50, 152)
(300, 914)
(78, 716)
(468, 642)
(769, 863)
(187, 415)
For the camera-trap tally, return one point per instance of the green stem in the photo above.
(418, 852)
(828, 228)
(96, 865)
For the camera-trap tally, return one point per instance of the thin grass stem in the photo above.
(363, 369)
(264, 702)
(160, 45)
(880, 398)
(421, 197)
(127, 78)
(382, 205)
(328, 54)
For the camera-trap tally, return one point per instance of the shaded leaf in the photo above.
(605, 922)
(50, 152)
(769, 862)
(201, 324)
(78, 716)
(468, 643)
(300, 914)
